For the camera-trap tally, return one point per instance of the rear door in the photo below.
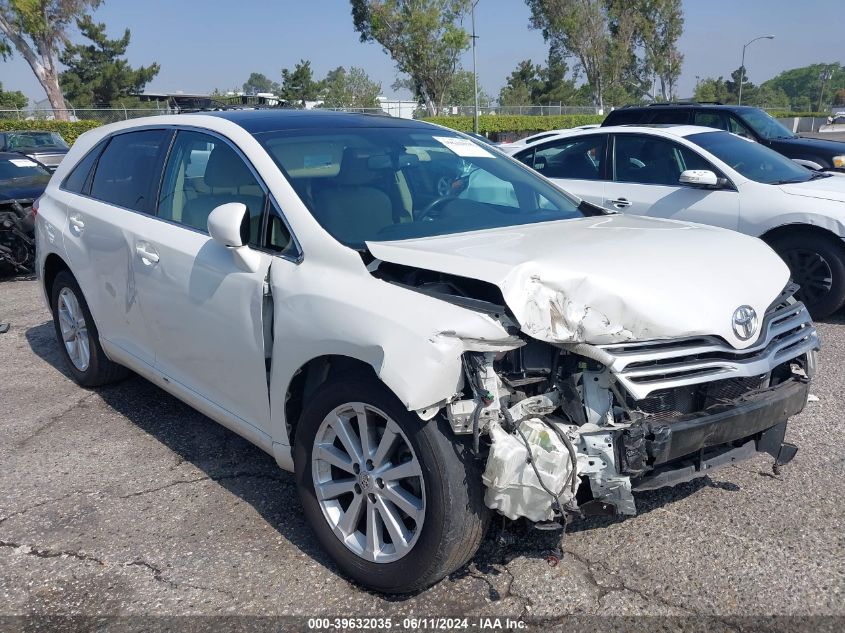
(645, 173)
(109, 199)
(576, 164)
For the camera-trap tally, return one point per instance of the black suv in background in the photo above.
(752, 123)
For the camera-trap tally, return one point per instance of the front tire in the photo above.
(395, 500)
(817, 264)
(79, 341)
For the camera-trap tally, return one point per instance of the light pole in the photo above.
(825, 76)
(474, 73)
(742, 66)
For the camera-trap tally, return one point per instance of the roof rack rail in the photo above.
(663, 104)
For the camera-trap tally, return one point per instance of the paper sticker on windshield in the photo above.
(22, 162)
(463, 147)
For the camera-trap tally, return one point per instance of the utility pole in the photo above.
(742, 66)
(825, 76)
(474, 72)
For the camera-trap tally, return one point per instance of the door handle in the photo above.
(621, 203)
(76, 222)
(146, 253)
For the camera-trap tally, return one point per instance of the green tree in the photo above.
(803, 86)
(711, 89)
(97, 73)
(298, 85)
(522, 85)
(13, 99)
(839, 97)
(598, 34)
(258, 82)
(424, 38)
(351, 88)
(461, 89)
(37, 30)
(660, 24)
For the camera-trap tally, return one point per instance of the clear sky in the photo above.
(207, 44)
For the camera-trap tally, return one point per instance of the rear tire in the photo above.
(79, 341)
(448, 488)
(817, 264)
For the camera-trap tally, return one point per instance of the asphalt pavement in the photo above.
(123, 501)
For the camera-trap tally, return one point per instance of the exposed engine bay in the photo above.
(573, 429)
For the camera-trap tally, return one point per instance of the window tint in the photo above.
(577, 158)
(710, 119)
(669, 116)
(127, 172)
(77, 180)
(202, 173)
(738, 128)
(624, 117)
(20, 167)
(752, 160)
(652, 161)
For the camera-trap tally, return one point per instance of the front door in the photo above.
(205, 312)
(576, 164)
(646, 170)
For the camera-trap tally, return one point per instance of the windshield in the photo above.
(12, 168)
(751, 159)
(374, 184)
(33, 140)
(766, 126)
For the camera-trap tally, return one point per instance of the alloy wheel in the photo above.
(74, 329)
(368, 482)
(811, 271)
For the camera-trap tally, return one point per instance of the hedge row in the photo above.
(69, 130)
(493, 124)
(788, 115)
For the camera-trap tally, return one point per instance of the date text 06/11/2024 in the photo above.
(415, 624)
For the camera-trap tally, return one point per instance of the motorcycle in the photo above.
(17, 236)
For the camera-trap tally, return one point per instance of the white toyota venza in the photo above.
(424, 330)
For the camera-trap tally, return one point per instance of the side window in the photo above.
(578, 158)
(278, 236)
(710, 119)
(78, 181)
(128, 169)
(646, 160)
(202, 173)
(736, 127)
(669, 116)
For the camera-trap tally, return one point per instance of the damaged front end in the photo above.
(573, 428)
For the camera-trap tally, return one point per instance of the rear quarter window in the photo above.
(624, 117)
(78, 181)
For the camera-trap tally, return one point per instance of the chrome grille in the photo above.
(644, 368)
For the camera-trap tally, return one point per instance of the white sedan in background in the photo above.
(516, 146)
(713, 177)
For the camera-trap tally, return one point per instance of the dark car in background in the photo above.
(48, 148)
(22, 181)
(752, 123)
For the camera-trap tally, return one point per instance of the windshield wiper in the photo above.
(819, 174)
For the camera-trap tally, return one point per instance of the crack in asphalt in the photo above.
(30, 550)
(41, 504)
(215, 478)
(55, 417)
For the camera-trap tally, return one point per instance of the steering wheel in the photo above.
(428, 211)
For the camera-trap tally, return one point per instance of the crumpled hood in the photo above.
(831, 188)
(611, 278)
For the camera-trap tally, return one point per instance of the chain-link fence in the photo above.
(104, 115)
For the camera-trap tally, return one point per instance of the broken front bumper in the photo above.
(657, 455)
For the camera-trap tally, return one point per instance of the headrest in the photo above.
(355, 169)
(226, 169)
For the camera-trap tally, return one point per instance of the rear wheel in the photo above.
(77, 334)
(817, 264)
(396, 501)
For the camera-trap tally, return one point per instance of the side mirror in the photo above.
(701, 178)
(229, 225)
